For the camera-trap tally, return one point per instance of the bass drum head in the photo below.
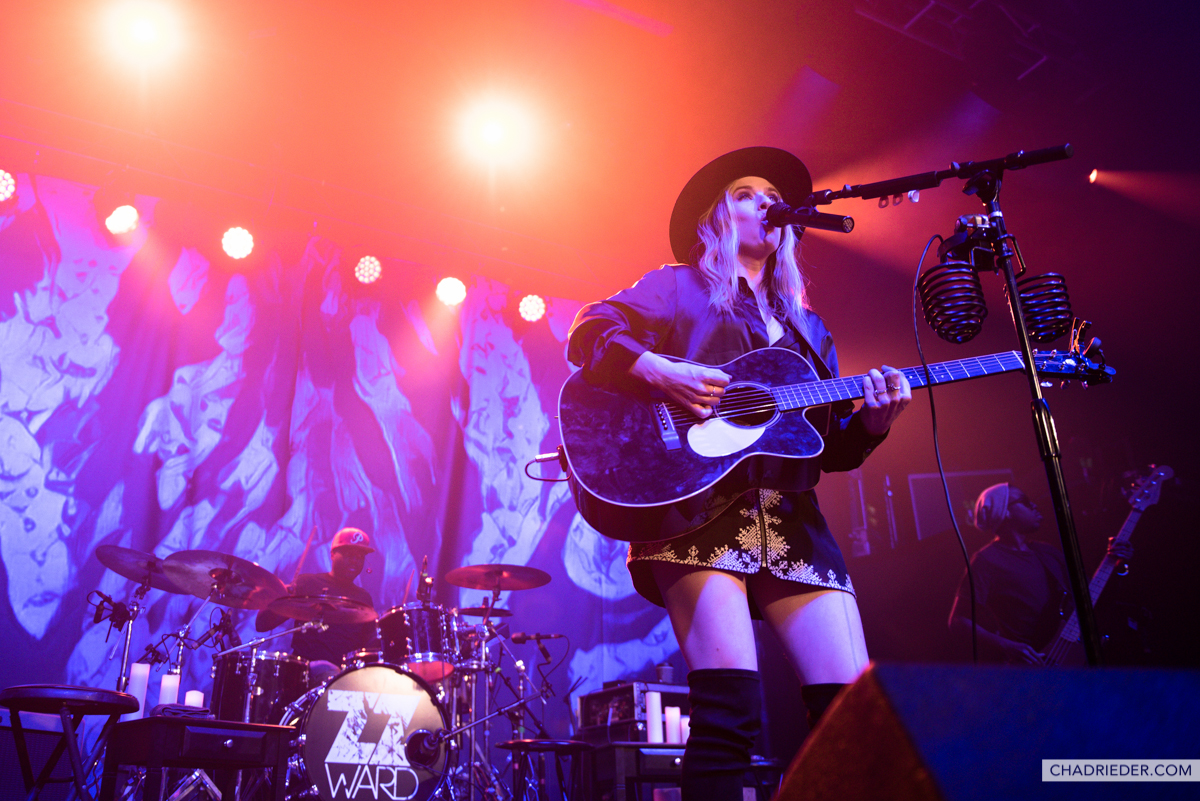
(352, 748)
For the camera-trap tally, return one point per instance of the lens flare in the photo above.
(368, 269)
(451, 291)
(532, 308)
(238, 243)
(122, 220)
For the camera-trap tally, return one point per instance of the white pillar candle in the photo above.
(168, 693)
(654, 718)
(194, 698)
(139, 680)
(671, 714)
(685, 727)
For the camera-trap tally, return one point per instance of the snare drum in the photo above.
(420, 636)
(353, 735)
(279, 679)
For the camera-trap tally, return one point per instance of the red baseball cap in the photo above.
(352, 538)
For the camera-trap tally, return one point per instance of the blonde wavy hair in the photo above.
(716, 253)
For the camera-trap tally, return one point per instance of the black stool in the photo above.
(523, 754)
(71, 704)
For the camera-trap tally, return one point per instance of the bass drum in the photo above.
(352, 737)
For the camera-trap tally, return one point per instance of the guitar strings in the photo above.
(849, 387)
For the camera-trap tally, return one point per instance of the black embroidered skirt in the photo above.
(783, 532)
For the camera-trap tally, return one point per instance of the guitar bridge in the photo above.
(666, 426)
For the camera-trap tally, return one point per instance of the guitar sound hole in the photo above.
(747, 406)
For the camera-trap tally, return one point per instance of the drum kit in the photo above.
(408, 719)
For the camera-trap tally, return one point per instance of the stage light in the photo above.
(368, 269)
(1092, 178)
(8, 186)
(532, 308)
(144, 31)
(451, 291)
(237, 242)
(498, 132)
(122, 220)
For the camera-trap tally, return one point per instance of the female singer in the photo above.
(770, 555)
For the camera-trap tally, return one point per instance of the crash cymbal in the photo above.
(224, 579)
(498, 577)
(137, 566)
(329, 608)
(485, 611)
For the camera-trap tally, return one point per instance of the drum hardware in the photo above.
(484, 611)
(498, 578)
(329, 608)
(224, 579)
(421, 746)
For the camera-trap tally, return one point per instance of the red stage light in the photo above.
(1092, 178)
(8, 186)
(238, 243)
(532, 308)
(498, 132)
(451, 291)
(122, 220)
(368, 269)
(144, 31)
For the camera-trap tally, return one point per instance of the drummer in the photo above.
(325, 649)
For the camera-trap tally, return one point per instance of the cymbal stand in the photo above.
(135, 608)
(312, 625)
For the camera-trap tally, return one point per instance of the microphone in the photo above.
(521, 637)
(421, 748)
(425, 582)
(781, 214)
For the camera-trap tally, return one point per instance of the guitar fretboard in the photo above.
(817, 393)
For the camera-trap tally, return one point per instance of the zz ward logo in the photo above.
(367, 758)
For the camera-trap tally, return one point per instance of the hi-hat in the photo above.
(329, 608)
(485, 611)
(498, 577)
(138, 566)
(224, 579)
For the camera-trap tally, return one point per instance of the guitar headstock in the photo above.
(1145, 492)
(1088, 366)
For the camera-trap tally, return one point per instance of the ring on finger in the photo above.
(890, 388)
(879, 392)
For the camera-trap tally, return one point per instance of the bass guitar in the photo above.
(1066, 648)
(643, 468)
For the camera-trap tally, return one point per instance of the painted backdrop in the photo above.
(157, 395)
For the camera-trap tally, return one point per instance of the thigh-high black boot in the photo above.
(818, 697)
(726, 716)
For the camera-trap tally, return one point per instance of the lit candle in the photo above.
(671, 713)
(168, 693)
(139, 679)
(194, 698)
(654, 717)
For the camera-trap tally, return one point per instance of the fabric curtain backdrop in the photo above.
(159, 395)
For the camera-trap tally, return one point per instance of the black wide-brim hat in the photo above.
(786, 172)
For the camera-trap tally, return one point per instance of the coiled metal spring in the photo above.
(952, 299)
(1046, 306)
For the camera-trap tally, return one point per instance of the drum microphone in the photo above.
(521, 637)
(421, 747)
(781, 214)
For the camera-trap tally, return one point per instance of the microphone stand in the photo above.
(984, 181)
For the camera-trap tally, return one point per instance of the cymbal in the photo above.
(329, 608)
(498, 577)
(224, 579)
(138, 566)
(485, 611)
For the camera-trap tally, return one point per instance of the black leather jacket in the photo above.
(668, 312)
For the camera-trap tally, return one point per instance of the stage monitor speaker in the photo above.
(953, 733)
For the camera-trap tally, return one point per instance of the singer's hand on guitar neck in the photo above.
(696, 387)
